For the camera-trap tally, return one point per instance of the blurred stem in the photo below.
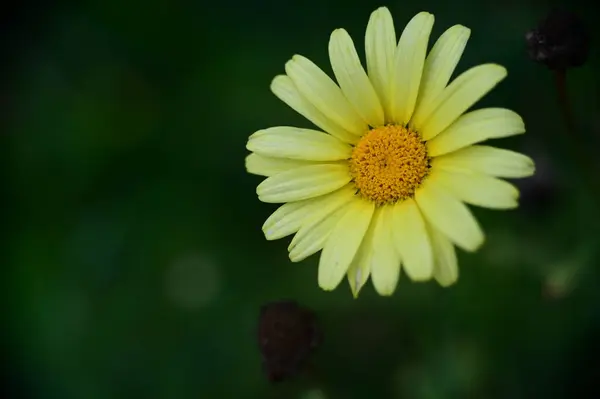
(576, 141)
(560, 78)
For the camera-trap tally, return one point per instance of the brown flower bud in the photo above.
(560, 41)
(287, 335)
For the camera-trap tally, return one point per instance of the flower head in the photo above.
(383, 186)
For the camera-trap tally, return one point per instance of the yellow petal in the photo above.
(295, 143)
(439, 66)
(408, 66)
(487, 160)
(360, 268)
(283, 87)
(474, 127)
(383, 257)
(478, 189)
(303, 183)
(449, 215)
(412, 240)
(311, 238)
(459, 96)
(269, 166)
(311, 235)
(380, 49)
(352, 78)
(343, 243)
(445, 269)
(368, 255)
(288, 218)
(323, 93)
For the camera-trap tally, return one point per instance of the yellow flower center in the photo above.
(388, 164)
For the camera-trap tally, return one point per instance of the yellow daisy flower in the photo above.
(384, 185)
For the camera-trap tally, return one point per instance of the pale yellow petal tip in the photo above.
(387, 291)
(291, 246)
(447, 284)
(516, 120)
(260, 189)
(427, 16)
(339, 32)
(296, 259)
(423, 14)
(530, 168)
(497, 69)
(290, 64)
(384, 289)
(480, 243)
(354, 288)
(297, 58)
(278, 80)
(267, 199)
(260, 192)
(476, 245)
(328, 283)
(512, 206)
(423, 278)
(294, 254)
(269, 234)
(459, 30)
(296, 63)
(248, 163)
(327, 287)
(254, 135)
(382, 9)
(381, 13)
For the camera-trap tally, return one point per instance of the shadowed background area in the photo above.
(134, 264)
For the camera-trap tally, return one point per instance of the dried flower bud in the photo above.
(287, 335)
(560, 41)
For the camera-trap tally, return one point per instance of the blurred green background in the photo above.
(134, 261)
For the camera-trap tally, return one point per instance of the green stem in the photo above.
(576, 142)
